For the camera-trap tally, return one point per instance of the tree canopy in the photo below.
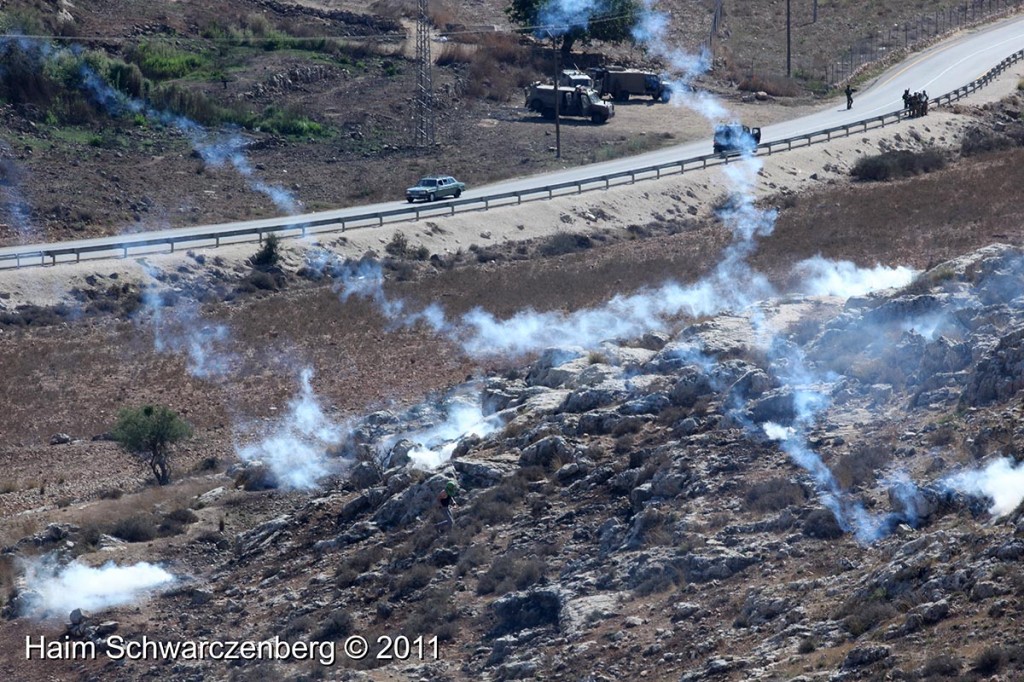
(575, 20)
(149, 432)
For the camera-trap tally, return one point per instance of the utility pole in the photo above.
(814, 18)
(789, 44)
(424, 82)
(558, 101)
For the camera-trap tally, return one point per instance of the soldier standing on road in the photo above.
(906, 98)
(849, 97)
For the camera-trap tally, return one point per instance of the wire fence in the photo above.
(910, 34)
(876, 46)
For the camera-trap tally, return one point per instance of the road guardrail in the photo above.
(124, 246)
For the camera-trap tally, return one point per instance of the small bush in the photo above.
(822, 524)
(774, 495)
(159, 61)
(453, 53)
(511, 572)
(990, 660)
(867, 615)
(776, 86)
(337, 625)
(268, 254)
(398, 246)
(263, 281)
(137, 528)
(807, 646)
(416, 578)
(979, 141)
(565, 242)
(861, 466)
(942, 665)
(898, 164)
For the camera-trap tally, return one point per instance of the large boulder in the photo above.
(410, 504)
(530, 609)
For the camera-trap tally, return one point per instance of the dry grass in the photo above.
(931, 219)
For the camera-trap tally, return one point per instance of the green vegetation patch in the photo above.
(160, 61)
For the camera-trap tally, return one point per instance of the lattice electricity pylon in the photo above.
(425, 88)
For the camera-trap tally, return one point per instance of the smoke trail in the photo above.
(296, 450)
(651, 30)
(823, 277)
(214, 151)
(57, 590)
(562, 16)
(365, 278)
(1002, 481)
(17, 208)
(179, 328)
(435, 445)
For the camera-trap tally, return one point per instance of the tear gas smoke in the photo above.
(296, 449)
(179, 328)
(16, 208)
(54, 591)
(117, 103)
(821, 277)
(1002, 481)
(561, 16)
(435, 445)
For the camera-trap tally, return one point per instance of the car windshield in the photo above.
(428, 182)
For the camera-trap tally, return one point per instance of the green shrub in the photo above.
(160, 61)
(269, 253)
(149, 432)
(398, 246)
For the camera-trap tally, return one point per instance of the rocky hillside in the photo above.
(812, 488)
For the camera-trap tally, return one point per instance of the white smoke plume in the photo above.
(822, 277)
(435, 445)
(12, 203)
(178, 327)
(1002, 481)
(561, 16)
(295, 450)
(55, 591)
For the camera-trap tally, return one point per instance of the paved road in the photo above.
(938, 70)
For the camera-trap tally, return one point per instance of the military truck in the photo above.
(574, 77)
(621, 83)
(733, 138)
(578, 102)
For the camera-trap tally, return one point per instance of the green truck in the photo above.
(576, 101)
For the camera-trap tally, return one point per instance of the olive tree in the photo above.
(149, 432)
(573, 20)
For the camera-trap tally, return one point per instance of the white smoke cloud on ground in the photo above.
(823, 277)
(1002, 480)
(464, 418)
(295, 449)
(55, 591)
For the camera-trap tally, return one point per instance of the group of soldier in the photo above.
(917, 102)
